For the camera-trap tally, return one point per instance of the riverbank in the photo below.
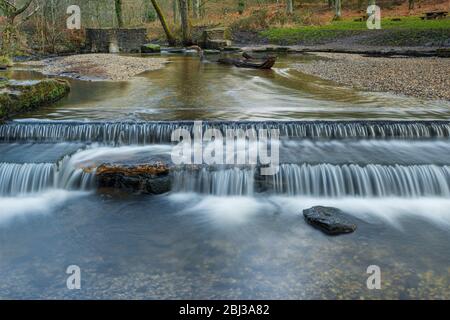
(419, 77)
(97, 67)
(17, 97)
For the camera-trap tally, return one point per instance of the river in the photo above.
(225, 231)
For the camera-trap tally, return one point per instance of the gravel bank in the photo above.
(419, 77)
(109, 67)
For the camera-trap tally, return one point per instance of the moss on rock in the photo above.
(151, 48)
(19, 98)
(5, 62)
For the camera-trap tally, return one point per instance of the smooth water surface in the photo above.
(187, 89)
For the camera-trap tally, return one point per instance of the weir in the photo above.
(26, 178)
(121, 133)
(323, 180)
(339, 168)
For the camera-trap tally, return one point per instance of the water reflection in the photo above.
(187, 89)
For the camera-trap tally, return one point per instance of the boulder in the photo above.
(142, 179)
(151, 48)
(21, 96)
(331, 221)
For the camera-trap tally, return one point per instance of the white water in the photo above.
(42, 203)
(242, 210)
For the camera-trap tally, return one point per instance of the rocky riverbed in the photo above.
(419, 77)
(100, 67)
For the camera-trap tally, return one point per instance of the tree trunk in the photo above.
(196, 9)
(290, 6)
(118, 8)
(162, 19)
(185, 23)
(176, 12)
(338, 12)
(410, 4)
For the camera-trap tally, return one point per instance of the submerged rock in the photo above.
(145, 178)
(330, 220)
(18, 97)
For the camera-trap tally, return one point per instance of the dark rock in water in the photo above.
(146, 178)
(330, 220)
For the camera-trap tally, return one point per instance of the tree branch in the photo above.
(30, 15)
(24, 7)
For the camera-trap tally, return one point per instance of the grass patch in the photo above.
(343, 28)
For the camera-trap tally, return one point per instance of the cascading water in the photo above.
(26, 178)
(158, 132)
(19, 179)
(322, 180)
(221, 182)
(307, 172)
(327, 180)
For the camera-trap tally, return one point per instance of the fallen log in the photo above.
(268, 63)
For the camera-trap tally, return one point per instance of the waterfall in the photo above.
(16, 179)
(222, 182)
(320, 180)
(25, 178)
(325, 180)
(158, 132)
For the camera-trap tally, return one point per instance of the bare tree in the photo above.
(176, 12)
(118, 9)
(12, 11)
(290, 6)
(196, 8)
(162, 19)
(338, 10)
(185, 23)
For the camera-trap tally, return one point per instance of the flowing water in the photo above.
(226, 231)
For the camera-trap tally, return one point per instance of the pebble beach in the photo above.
(427, 78)
(106, 67)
